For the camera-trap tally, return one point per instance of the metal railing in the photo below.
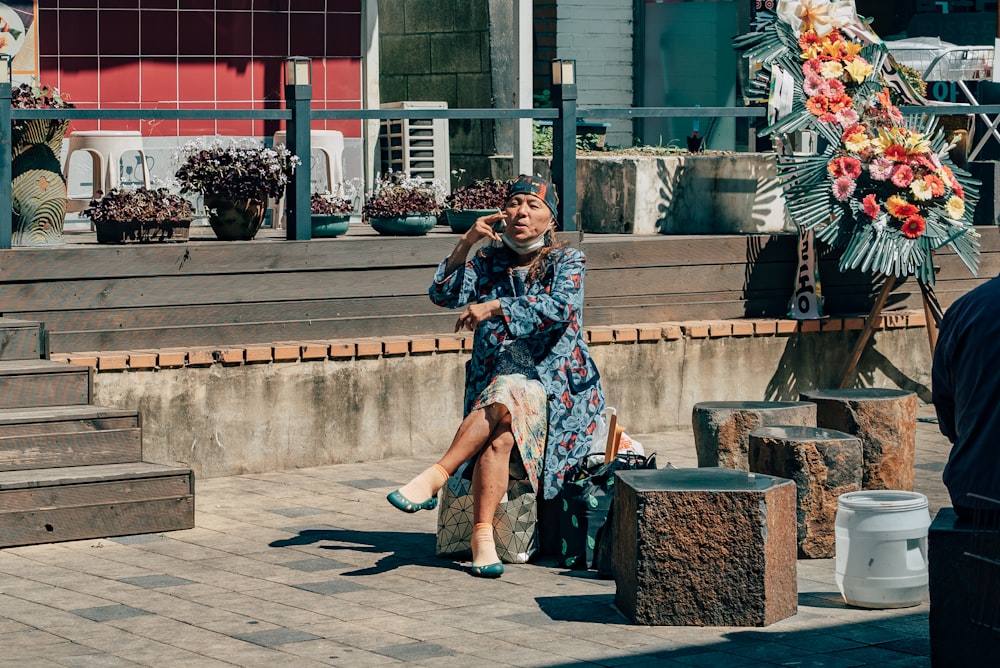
(299, 115)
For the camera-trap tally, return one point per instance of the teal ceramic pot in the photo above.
(460, 220)
(333, 225)
(404, 226)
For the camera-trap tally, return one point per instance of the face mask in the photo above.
(527, 247)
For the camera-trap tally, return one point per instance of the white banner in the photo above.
(807, 303)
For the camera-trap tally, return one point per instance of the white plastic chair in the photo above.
(105, 148)
(330, 144)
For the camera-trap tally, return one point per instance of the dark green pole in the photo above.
(298, 98)
(564, 141)
(6, 172)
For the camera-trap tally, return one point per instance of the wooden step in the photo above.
(35, 383)
(21, 340)
(61, 436)
(84, 502)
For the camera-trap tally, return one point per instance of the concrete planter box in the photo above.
(733, 193)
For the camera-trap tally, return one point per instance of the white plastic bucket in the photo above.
(881, 546)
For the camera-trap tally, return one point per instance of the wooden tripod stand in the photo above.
(932, 312)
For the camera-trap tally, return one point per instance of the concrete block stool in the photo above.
(963, 591)
(330, 145)
(106, 148)
(722, 428)
(823, 464)
(886, 422)
(704, 547)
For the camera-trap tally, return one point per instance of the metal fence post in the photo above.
(6, 155)
(564, 141)
(298, 98)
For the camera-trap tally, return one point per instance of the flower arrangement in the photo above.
(140, 215)
(883, 192)
(241, 170)
(142, 204)
(24, 131)
(481, 194)
(38, 96)
(397, 195)
(325, 204)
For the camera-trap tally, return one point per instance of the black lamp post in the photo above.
(6, 196)
(298, 97)
(564, 141)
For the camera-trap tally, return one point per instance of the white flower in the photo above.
(879, 224)
(821, 16)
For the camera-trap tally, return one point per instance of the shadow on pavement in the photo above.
(400, 548)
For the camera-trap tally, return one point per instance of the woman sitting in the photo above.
(531, 383)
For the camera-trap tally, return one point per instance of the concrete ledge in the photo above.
(283, 405)
(390, 346)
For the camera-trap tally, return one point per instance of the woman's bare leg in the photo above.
(489, 484)
(472, 436)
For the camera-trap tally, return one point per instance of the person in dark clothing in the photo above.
(966, 395)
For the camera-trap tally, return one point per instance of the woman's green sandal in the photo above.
(407, 506)
(487, 571)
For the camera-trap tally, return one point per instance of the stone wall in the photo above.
(439, 50)
(265, 408)
(709, 193)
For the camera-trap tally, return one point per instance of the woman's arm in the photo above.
(455, 279)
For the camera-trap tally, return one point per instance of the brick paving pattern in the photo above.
(314, 568)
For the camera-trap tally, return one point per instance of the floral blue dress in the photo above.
(547, 314)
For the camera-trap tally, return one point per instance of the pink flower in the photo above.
(812, 66)
(847, 116)
(833, 87)
(880, 169)
(902, 176)
(813, 85)
(843, 188)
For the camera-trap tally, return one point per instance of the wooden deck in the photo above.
(206, 292)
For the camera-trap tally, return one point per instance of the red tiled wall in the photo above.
(199, 54)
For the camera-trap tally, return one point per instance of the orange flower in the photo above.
(914, 226)
(817, 105)
(900, 208)
(842, 101)
(936, 185)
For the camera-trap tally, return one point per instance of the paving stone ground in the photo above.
(313, 568)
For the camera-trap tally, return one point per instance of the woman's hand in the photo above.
(484, 228)
(476, 313)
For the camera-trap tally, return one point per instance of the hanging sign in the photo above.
(806, 303)
(19, 37)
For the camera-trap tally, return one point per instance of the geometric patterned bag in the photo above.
(515, 522)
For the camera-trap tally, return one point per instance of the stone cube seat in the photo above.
(704, 547)
(722, 428)
(823, 464)
(886, 422)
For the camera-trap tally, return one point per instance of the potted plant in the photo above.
(141, 215)
(401, 205)
(236, 181)
(38, 188)
(468, 202)
(331, 215)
